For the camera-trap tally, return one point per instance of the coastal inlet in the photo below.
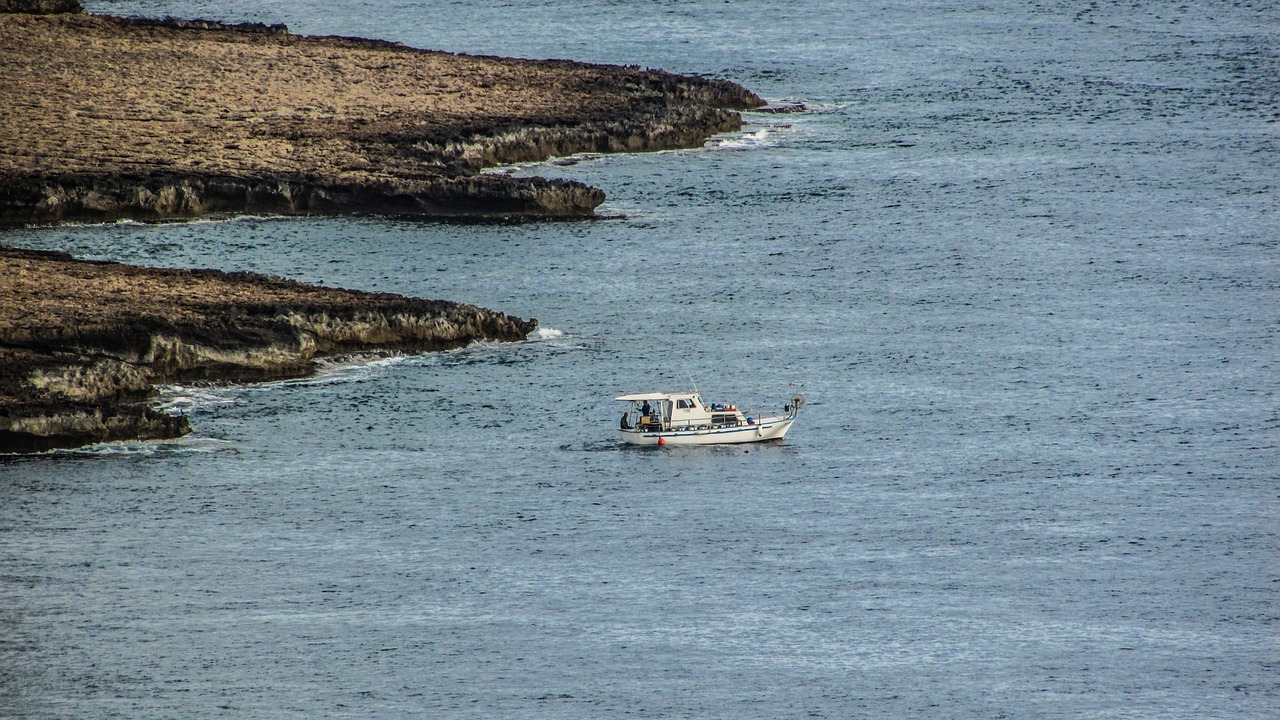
(161, 119)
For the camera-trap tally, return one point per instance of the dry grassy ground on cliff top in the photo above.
(84, 93)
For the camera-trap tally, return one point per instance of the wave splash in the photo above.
(759, 138)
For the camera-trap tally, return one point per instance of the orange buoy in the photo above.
(661, 441)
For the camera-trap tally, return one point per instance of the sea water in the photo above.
(1021, 258)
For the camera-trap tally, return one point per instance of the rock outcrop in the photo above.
(108, 118)
(101, 196)
(82, 344)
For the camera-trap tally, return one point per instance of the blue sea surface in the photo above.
(1023, 259)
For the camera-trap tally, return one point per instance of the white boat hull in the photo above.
(764, 430)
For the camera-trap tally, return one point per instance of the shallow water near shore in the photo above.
(1022, 261)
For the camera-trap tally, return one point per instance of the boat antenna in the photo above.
(694, 384)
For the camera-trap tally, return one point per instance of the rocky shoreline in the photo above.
(110, 118)
(83, 344)
(118, 118)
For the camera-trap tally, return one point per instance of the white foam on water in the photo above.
(545, 333)
(556, 161)
(135, 223)
(150, 448)
(356, 367)
(755, 139)
(179, 399)
(355, 364)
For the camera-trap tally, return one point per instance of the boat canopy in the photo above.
(639, 397)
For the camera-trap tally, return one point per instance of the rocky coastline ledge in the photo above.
(108, 118)
(83, 344)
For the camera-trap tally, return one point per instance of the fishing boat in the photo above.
(682, 418)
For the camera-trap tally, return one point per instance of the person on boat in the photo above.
(625, 425)
(645, 409)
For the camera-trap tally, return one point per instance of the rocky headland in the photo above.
(108, 118)
(83, 344)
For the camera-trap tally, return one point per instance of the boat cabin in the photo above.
(656, 412)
